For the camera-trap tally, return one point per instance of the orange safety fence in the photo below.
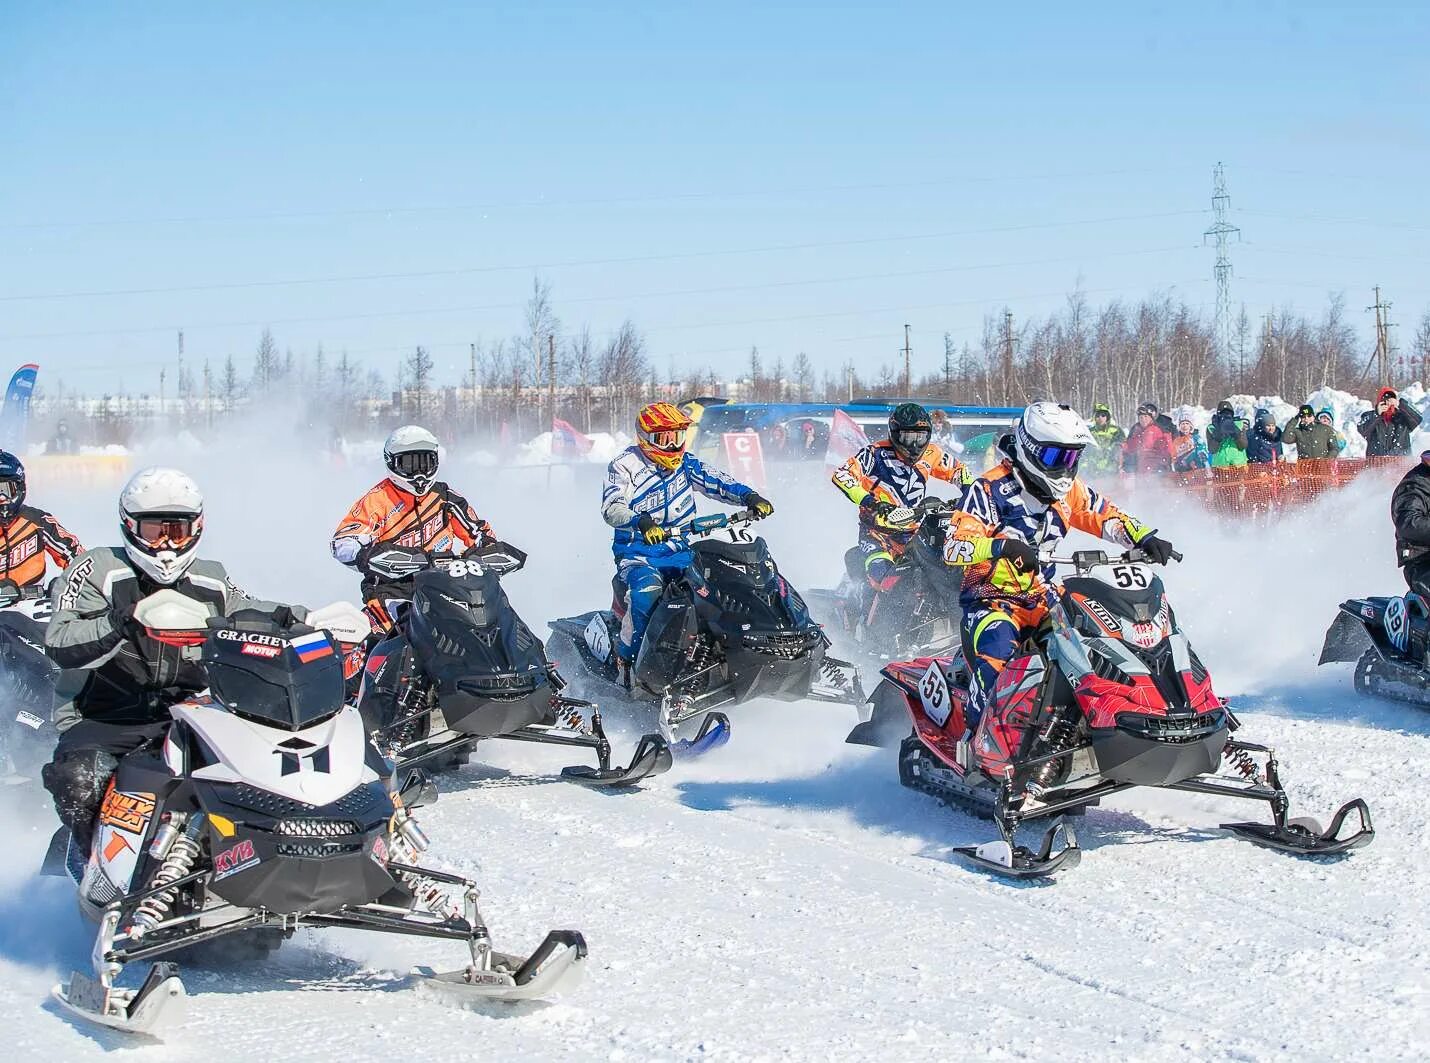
(1262, 488)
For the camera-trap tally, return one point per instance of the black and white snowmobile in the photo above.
(27, 684)
(1389, 641)
(919, 615)
(1109, 697)
(265, 810)
(462, 667)
(727, 630)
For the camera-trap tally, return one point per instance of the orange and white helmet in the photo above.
(660, 432)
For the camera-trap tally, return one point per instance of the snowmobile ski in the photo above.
(555, 967)
(1304, 837)
(1015, 861)
(159, 1005)
(653, 756)
(714, 732)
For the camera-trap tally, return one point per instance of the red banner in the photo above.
(745, 459)
(846, 439)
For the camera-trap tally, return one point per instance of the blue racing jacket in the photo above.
(635, 486)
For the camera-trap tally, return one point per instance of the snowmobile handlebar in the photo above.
(404, 562)
(1085, 560)
(715, 522)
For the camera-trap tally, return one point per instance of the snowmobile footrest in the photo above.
(160, 1004)
(653, 756)
(555, 967)
(1304, 837)
(1010, 861)
(714, 732)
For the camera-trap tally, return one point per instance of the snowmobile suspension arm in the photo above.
(146, 952)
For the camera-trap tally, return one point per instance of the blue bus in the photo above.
(799, 431)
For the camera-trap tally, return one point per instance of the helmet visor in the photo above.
(912, 440)
(174, 533)
(670, 440)
(415, 463)
(1053, 458)
(9, 490)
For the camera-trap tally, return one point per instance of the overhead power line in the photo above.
(670, 293)
(627, 260)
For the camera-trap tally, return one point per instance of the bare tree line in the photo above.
(1158, 348)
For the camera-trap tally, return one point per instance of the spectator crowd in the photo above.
(1157, 444)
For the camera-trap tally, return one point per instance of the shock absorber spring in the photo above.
(1058, 735)
(405, 843)
(177, 863)
(569, 716)
(1242, 761)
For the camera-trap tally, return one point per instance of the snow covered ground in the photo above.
(786, 899)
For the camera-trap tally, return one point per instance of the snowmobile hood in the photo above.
(265, 757)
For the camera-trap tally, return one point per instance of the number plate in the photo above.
(598, 638)
(933, 694)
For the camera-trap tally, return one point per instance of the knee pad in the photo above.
(77, 782)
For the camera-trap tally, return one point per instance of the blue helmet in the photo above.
(12, 484)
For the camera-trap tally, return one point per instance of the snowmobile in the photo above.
(728, 630)
(1108, 696)
(27, 684)
(919, 615)
(462, 667)
(1389, 641)
(265, 810)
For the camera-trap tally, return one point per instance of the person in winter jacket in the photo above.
(1387, 428)
(130, 679)
(1188, 450)
(1263, 443)
(1410, 511)
(1327, 417)
(1149, 445)
(1105, 454)
(410, 508)
(1030, 500)
(1313, 441)
(28, 535)
(649, 493)
(1226, 437)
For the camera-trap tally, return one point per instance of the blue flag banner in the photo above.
(15, 415)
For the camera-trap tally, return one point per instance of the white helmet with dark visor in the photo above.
(1050, 439)
(412, 458)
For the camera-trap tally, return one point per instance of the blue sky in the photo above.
(796, 176)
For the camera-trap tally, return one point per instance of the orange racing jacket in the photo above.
(27, 538)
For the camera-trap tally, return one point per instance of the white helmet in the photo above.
(411, 456)
(161, 515)
(1048, 441)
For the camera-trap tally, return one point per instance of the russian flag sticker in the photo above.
(312, 647)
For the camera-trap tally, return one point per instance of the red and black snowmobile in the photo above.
(1109, 695)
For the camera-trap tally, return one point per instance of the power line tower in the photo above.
(1221, 230)
(1383, 325)
(908, 365)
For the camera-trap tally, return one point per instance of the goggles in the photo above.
(1052, 458)
(415, 463)
(913, 439)
(9, 490)
(158, 532)
(670, 440)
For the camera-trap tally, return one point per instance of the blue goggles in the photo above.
(1052, 458)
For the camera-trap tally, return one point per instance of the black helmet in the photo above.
(12, 484)
(910, 430)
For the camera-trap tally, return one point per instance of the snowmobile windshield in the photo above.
(288, 683)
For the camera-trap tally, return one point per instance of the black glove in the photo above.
(879, 507)
(1017, 553)
(759, 506)
(650, 531)
(1158, 550)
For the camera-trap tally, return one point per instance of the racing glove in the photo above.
(879, 507)
(1017, 553)
(1158, 550)
(758, 505)
(650, 531)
